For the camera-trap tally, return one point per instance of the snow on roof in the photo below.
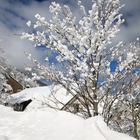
(53, 125)
(55, 96)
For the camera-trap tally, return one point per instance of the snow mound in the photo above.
(53, 125)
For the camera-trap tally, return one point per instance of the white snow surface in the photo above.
(41, 123)
(50, 124)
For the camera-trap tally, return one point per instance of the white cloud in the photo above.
(13, 18)
(13, 24)
(131, 13)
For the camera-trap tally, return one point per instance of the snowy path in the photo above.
(52, 125)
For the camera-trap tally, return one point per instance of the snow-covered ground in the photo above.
(49, 124)
(39, 122)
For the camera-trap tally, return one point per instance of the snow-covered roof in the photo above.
(54, 96)
(53, 125)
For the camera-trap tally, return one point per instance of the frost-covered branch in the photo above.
(85, 51)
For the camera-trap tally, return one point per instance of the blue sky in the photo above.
(15, 13)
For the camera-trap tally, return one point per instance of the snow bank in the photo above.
(53, 125)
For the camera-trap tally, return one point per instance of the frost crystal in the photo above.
(29, 23)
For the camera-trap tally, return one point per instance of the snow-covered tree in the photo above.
(122, 108)
(24, 77)
(3, 66)
(7, 70)
(3, 81)
(84, 49)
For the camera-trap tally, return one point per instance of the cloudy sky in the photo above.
(15, 13)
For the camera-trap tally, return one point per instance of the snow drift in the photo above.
(53, 125)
